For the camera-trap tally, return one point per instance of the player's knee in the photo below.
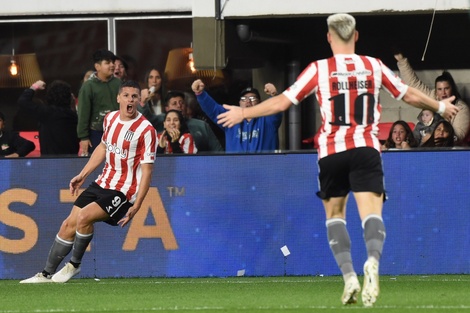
(83, 219)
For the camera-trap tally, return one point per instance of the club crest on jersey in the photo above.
(128, 136)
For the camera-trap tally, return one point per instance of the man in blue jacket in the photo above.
(252, 135)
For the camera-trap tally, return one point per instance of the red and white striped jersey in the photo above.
(128, 145)
(347, 89)
(186, 142)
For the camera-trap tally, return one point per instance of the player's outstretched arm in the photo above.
(418, 99)
(236, 114)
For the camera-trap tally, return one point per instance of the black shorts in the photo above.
(113, 202)
(354, 170)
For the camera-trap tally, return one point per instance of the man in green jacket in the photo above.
(97, 97)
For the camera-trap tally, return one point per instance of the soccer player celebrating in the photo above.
(347, 87)
(128, 147)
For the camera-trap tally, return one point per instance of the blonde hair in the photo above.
(342, 24)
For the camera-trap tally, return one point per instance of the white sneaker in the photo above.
(67, 272)
(39, 278)
(370, 290)
(351, 290)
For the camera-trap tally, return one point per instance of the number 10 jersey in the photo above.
(347, 88)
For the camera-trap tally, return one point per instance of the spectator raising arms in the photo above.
(251, 135)
(58, 118)
(444, 88)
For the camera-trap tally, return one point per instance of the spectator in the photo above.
(444, 87)
(442, 136)
(427, 121)
(400, 137)
(204, 137)
(87, 75)
(252, 135)
(12, 145)
(120, 68)
(192, 109)
(176, 137)
(152, 95)
(97, 97)
(57, 119)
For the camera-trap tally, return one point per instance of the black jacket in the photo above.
(11, 142)
(57, 125)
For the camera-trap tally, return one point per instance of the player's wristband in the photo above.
(442, 108)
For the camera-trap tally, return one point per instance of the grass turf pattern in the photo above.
(436, 293)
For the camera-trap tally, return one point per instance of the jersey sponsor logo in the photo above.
(351, 73)
(116, 150)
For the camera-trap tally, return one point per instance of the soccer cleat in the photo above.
(351, 290)
(39, 278)
(67, 272)
(370, 290)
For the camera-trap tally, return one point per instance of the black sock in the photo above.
(75, 264)
(46, 274)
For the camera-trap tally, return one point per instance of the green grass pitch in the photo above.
(435, 293)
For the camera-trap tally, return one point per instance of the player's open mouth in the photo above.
(130, 109)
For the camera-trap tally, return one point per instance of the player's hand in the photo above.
(129, 215)
(197, 86)
(75, 184)
(233, 116)
(451, 110)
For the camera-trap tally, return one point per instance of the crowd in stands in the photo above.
(187, 122)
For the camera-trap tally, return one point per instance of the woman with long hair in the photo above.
(442, 136)
(400, 137)
(176, 137)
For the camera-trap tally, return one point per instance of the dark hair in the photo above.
(146, 79)
(173, 94)
(147, 74)
(103, 54)
(389, 143)
(183, 125)
(129, 83)
(2, 117)
(59, 94)
(447, 77)
(449, 141)
(124, 63)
